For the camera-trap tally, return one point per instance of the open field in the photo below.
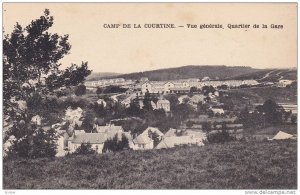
(235, 165)
(269, 132)
(259, 95)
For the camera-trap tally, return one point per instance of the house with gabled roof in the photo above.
(143, 142)
(95, 139)
(178, 137)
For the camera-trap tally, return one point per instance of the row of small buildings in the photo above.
(143, 141)
(184, 86)
(106, 82)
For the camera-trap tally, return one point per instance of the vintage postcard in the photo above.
(150, 96)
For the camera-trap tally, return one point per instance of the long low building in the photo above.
(184, 86)
(107, 82)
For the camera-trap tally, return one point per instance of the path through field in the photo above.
(266, 75)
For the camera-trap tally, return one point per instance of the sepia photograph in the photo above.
(150, 96)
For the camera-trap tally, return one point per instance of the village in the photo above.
(91, 102)
(207, 113)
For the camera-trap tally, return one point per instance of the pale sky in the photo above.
(132, 50)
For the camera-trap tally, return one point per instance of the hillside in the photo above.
(235, 165)
(100, 75)
(222, 72)
(269, 75)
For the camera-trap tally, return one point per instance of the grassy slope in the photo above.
(274, 76)
(260, 95)
(236, 165)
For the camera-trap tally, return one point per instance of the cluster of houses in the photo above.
(165, 104)
(144, 141)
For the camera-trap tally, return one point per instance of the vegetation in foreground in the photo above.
(236, 165)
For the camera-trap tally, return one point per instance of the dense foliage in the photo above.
(31, 72)
(115, 144)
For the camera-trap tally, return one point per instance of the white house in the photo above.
(284, 83)
(37, 120)
(95, 139)
(143, 142)
(217, 110)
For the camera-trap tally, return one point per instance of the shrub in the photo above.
(220, 137)
(114, 145)
(80, 90)
(85, 149)
(189, 124)
(37, 143)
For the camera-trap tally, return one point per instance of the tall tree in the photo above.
(31, 69)
(80, 90)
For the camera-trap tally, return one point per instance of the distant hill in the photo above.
(192, 71)
(101, 75)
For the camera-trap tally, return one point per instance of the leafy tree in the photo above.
(189, 124)
(173, 100)
(182, 111)
(210, 113)
(287, 115)
(114, 89)
(206, 126)
(220, 137)
(147, 101)
(133, 109)
(155, 137)
(80, 90)
(36, 143)
(193, 89)
(207, 99)
(99, 91)
(208, 89)
(224, 87)
(185, 100)
(84, 149)
(31, 71)
(202, 108)
(115, 145)
(272, 112)
(293, 119)
(89, 117)
(244, 117)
